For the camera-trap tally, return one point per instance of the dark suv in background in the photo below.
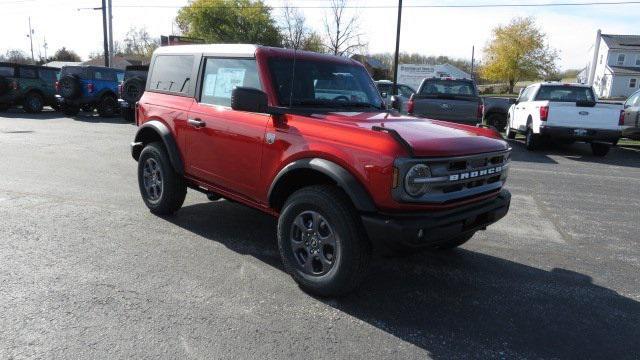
(89, 87)
(31, 86)
(131, 90)
(448, 99)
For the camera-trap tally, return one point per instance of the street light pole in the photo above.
(395, 60)
(31, 40)
(110, 7)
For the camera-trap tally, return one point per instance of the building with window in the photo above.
(614, 68)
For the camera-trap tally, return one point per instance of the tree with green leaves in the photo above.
(518, 51)
(64, 54)
(229, 21)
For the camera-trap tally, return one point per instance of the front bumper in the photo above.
(427, 229)
(580, 134)
(76, 102)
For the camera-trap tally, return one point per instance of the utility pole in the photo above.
(110, 32)
(473, 61)
(30, 36)
(395, 60)
(105, 31)
(45, 46)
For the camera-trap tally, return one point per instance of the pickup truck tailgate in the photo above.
(569, 114)
(458, 110)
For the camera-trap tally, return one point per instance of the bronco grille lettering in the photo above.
(475, 174)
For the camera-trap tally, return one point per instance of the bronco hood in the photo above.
(428, 138)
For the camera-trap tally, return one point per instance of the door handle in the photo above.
(196, 123)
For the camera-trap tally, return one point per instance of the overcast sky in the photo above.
(429, 31)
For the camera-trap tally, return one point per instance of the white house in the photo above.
(614, 70)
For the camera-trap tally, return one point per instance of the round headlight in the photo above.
(414, 183)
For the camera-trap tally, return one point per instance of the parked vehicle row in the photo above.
(307, 138)
(31, 87)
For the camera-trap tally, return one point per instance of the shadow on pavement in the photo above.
(459, 303)
(623, 155)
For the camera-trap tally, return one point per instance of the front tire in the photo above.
(108, 106)
(599, 149)
(33, 103)
(510, 132)
(163, 190)
(322, 243)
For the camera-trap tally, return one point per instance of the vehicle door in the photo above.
(48, 78)
(103, 80)
(632, 111)
(224, 147)
(521, 109)
(28, 79)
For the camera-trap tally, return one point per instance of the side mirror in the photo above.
(395, 103)
(249, 99)
(384, 95)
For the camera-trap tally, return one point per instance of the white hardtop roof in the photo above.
(243, 50)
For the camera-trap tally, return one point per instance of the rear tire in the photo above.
(33, 103)
(600, 149)
(322, 243)
(108, 106)
(163, 190)
(128, 114)
(531, 140)
(498, 121)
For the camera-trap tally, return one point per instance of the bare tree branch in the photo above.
(342, 31)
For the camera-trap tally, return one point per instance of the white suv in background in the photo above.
(567, 112)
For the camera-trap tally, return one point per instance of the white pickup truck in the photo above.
(566, 112)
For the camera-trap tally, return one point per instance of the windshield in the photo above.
(444, 87)
(323, 84)
(565, 94)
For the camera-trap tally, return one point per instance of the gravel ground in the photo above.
(87, 272)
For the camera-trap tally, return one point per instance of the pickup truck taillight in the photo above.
(90, 88)
(621, 118)
(480, 111)
(544, 113)
(410, 105)
(57, 86)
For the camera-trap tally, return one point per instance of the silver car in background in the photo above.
(403, 94)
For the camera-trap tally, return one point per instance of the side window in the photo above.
(633, 100)
(106, 75)
(632, 83)
(526, 94)
(28, 73)
(621, 58)
(405, 91)
(221, 76)
(7, 71)
(172, 73)
(47, 75)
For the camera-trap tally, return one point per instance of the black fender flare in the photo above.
(105, 92)
(161, 130)
(342, 177)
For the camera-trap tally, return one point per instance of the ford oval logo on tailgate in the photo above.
(584, 113)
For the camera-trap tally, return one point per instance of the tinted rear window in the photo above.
(7, 71)
(565, 94)
(72, 71)
(435, 87)
(172, 73)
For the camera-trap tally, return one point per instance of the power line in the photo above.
(469, 6)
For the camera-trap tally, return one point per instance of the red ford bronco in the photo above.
(306, 138)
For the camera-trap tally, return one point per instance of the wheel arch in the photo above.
(312, 171)
(152, 131)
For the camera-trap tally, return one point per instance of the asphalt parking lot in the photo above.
(87, 272)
